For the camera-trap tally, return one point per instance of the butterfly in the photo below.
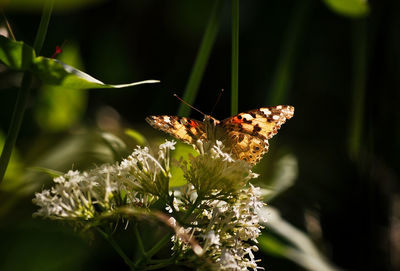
(245, 135)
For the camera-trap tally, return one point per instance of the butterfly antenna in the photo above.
(189, 105)
(216, 102)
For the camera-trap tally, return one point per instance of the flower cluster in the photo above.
(137, 181)
(214, 216)
(227, 230)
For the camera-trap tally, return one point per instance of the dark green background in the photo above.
(354, 197)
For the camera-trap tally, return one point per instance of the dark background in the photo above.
(353, 194)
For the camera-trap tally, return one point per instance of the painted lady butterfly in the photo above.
(246, 134)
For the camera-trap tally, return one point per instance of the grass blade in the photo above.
(202, 58)
(235, 58)
(23, 93)
(282, 79)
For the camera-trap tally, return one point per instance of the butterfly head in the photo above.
(210, 120)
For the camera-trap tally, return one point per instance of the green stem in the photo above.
(160, 265)
(117, 248)
(18, 115)
(359, 75)
(23, 94)
(160, 244)
(235, 58)
(192, 208)
(282, 78)
(139, 240)
(201, 59)
(44, 23)
(8, 27)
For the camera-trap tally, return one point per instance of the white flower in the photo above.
(214, 215)
(215, 174)
(75, 194)
(85, 194)
(225, 225)
(143, 172)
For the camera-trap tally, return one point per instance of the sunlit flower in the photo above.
(143, 172)
(215, 174)
(77, 195)
(139, 178)
(214, 215)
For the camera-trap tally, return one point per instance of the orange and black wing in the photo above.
(182, 128)
(247, 133)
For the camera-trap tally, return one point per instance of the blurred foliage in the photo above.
(138, 137)
(350, 8)
(202, 57)
(15, 54)
(37, 5)
(15, 168)
(58, 108)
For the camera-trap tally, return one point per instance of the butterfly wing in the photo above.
(248, 133)
(185, 129)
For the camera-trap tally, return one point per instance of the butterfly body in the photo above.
(246, 134)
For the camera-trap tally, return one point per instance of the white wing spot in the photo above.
(247, 116)
(275, 117)
(266, 111)
(166, 119)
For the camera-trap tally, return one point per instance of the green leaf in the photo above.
(15, 54)
(51, 172)
(54, 72)
(350, 8)
(116, 145)
(138, 137)
(184, 151)
(284, 175)
(272, 245)
(295, 245)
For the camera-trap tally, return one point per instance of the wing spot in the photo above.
(266, 111)
(256, 128)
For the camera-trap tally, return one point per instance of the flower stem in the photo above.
(117, 248)
(355, 136)
(191, 208)
(23, 94)
(235, 58)
(139, 241)
(160, 265)
(160, 244)
(8, 27)
(16, 121)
